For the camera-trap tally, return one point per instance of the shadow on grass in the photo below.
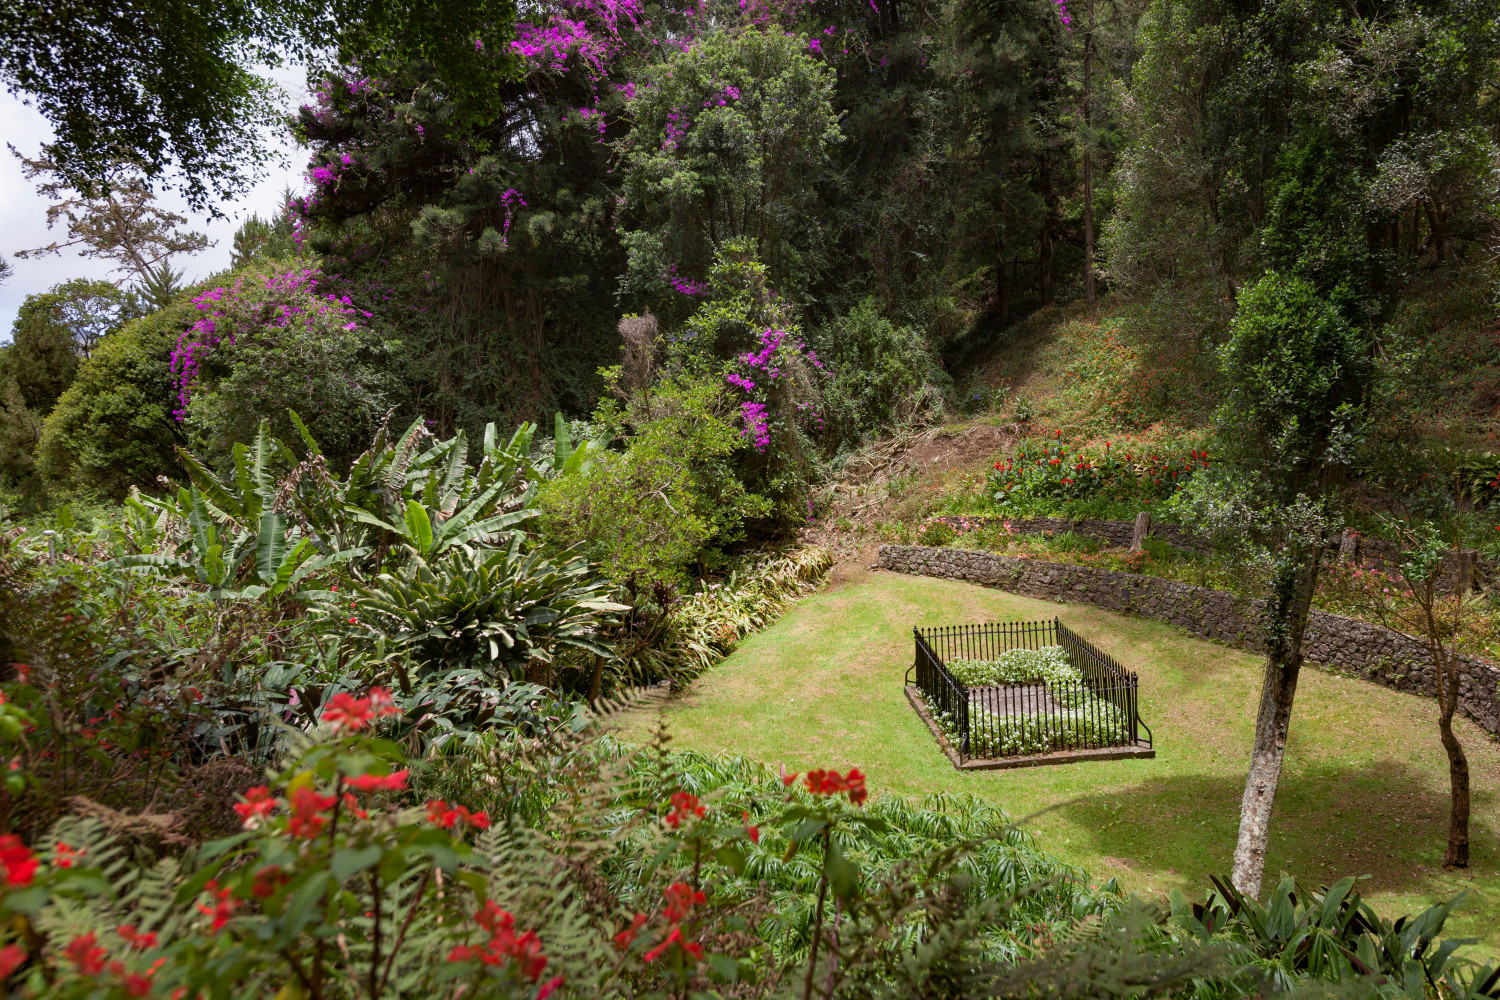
(1382, 819)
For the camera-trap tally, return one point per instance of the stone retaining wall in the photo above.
(1370, 651)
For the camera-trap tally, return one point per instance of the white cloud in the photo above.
(23, 213)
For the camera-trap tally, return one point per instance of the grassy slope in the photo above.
(1364, 789)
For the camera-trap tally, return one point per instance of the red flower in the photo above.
(439, 814)
(504, 944)
(85, 955)
(17, 861)
(352, 804)
(11, 958)
(140, 942)
(680, 898)
(684, 804)
(136, 984)
(258, 804)
(64, 856)
(787, 779)
(822, 782)
(347, 712)
(223, 908)
(854, 784)
(307, 812)
(751, 831)
(549, 988)
(626, 938)
(383, 702)
(692, 948)
(395, 781)
(268, 880)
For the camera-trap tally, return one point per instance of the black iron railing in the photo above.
(1097, 709)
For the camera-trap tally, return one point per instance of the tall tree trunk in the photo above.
(1088, 174)
(1044, 254)
(1457, 855)
(1286, 622)
(1002, 291)
(1446, 661)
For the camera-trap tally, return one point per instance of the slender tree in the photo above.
(1295, 373)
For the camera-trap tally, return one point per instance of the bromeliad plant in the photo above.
(1332, 935)
(497, 610)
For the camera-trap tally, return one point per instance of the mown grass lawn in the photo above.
(1364, 789)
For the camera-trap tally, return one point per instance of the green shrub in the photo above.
(670, 498)
(1050, 665)
(882, 375)
(113, 427)
(272, 338)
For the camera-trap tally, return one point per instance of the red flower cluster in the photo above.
(679, 900)
(822, 782)
(307, 812)
(684, 804)
(136, 940)
(439, 814)
(258, 804)
(11, 958)
(16, 861)
(345, 711)
(268, 880)
(627, 937)
(505, 945)
(751, 830)
(65, 856)
(394, 782)
(86, 955)
(223, 908)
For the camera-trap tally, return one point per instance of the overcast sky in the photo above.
(23, 214)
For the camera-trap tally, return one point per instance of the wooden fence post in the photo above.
(1142, 528)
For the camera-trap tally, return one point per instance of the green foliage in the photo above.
(276, 343)
(493, 609)
(1330, 936)
(672, 639)
(670, 498)
(882, 375)
(1296, 374)
(1051, 477)
(113, 427)
(728, 138)
(113, 83)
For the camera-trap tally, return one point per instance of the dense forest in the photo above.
(587, 315)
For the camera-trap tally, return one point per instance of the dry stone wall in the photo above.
(1332, 641)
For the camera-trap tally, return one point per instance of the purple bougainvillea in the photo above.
(763, 376)
(256, 305)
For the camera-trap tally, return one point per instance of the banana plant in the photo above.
(232, 562)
